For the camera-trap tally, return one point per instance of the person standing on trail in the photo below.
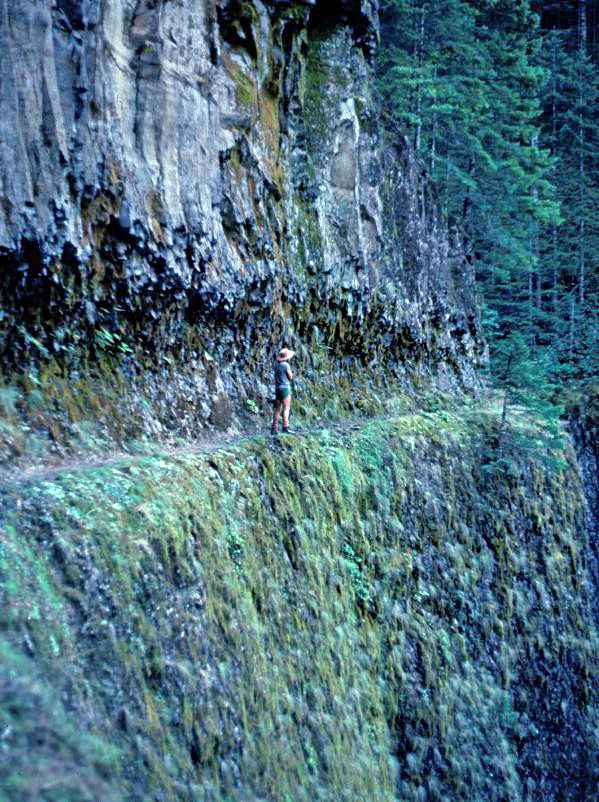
(283, 376)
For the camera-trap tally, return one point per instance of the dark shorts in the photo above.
(281, 393)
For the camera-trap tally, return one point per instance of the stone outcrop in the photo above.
(206, 181)
(360, 616)
(583, 416)
(368, 612)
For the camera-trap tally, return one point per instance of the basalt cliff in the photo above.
(382, 608)
(186, 186)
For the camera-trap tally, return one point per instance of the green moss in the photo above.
(316, 102)
(31, 713)
(246, 91)
(343, 615)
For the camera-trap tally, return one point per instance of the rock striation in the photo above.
(207, 180)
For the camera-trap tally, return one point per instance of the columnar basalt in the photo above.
(198, 181)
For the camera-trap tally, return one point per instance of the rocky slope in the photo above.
(371, 616)
(186, 186)
(584, 425)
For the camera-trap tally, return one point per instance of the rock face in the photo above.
(584, 427)
(211, 179)
(186, 185)
(367, 616)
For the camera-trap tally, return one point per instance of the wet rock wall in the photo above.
(361, 615)
(201, 182)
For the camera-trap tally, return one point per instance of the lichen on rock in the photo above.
(353, 614)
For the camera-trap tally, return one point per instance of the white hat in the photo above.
(284, 354)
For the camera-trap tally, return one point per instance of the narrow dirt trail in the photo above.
(40, 472)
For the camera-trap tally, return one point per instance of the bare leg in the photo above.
(277, 412)
(286, 408)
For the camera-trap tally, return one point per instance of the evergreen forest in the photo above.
(499, 99)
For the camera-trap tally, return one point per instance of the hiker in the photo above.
(283, 376)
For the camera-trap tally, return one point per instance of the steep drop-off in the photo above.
(187, 185)
(369, 615)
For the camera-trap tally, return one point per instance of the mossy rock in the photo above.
(358, 614)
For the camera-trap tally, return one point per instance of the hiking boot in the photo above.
(273, 429)
(287, 430)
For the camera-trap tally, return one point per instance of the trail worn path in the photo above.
(47, 471)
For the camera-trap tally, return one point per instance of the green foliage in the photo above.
(350, 615)
(503, 114)
(45, 756)
(316, 99)
(246, 91)
(462, 79)
(110, 340)
(565, 302)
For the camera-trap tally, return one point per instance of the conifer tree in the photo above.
(500, 100)
(569, 251)
(462, 77)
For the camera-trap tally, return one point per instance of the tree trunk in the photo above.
(534, 239)
(434, 131)
(582, 47)
(555, 276)
(501, 432)
(530, 336)
(553, 152)
(420, 79)
(572, 337)
(582, 26)
(467, 199)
